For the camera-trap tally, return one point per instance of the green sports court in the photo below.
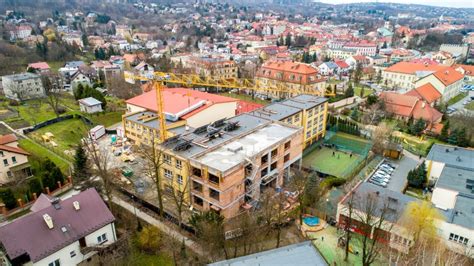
(334, 156)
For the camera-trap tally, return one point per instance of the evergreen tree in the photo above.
(462, 140)
(453, 137)
(35, 186)
(282, 42)
(444, 132)
(418, 127)
(7, 197)
(314, 57)
(80, 164)
(349, 91)
(288, 40)
(85, 41)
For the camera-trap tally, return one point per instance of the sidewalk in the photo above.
(161, 226)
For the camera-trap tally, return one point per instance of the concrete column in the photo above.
(59, 184)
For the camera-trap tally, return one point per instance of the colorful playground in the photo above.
(338, 155)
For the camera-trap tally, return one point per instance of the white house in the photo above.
(13, 160)
(59, 232)
(447, 81)
(90, 105)
(24, 86)
(80, 78)
(328, 68)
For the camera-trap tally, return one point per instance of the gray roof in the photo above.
(246, 122)
(305, 101)
(462, 214)
(90, 101)
(29, 235)
(395, 200)
(452, 156)
(453, 178)
(74, 64)
(300, 254)
(22, 76)
(276, 111)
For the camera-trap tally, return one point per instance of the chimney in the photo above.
(423, 105)
(76, 205)
(48, 220)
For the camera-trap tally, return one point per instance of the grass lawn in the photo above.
(56, 65)
(325, 162)
(367, 91)
(43, 153)
(66, 133)
(107, 119)
(244, 97)
(457, 98)
(140, 258)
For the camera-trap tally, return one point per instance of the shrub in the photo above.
(35, 186)
(13, 103)
(7, 197)
(332, 181)
(149, 239)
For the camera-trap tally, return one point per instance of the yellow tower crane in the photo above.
(253, 85)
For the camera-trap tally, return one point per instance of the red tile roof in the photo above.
(467, 69)
(412, 68)
(426, 92)
(5, 139)
(289, 72)
(341, 64)
(39, 65)
(177, 100)
(410, 106)
(448, 76)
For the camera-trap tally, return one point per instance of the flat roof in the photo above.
(276, 111)
(22, 76)
(455, 179)
(200, 143)
(305, 101)
(150, 123)
(302, 254)
(453, 156)
(223, 159)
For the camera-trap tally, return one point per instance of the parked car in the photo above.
(384, 171)
(381, 179)
(378, 183)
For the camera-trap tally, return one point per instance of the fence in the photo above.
(56, 120)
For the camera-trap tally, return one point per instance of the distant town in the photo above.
(268, 132)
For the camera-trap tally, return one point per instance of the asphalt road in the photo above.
(399, 176)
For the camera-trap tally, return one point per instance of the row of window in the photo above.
(168, 160)
(458, 239)
(169, 176)
(5, 161)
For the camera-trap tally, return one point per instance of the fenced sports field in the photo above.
(339, 155)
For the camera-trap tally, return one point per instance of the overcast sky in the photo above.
(450, 3)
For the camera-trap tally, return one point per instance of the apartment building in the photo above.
(24, 86)
(298, 78)
(13, 160)
(215, 67)
(306, 111)
(405, 74)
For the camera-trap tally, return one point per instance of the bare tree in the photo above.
(308, 191)
(348, 212)
(52, 86)
(153, 160)
(117, 87)
(374, 113)
(100, 160)
(381, 137)
(273, 214)
(179, 200)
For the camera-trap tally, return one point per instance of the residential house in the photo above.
(39, 67)
(343, 67)
(328, 68)
(404, 107)
(80, 78)
(59, 232)
(447, 81)
(356, 60)
(24, 86)
(444, 58)
(21, 32)
(90, 105)
(298, 78)
(14, 160)
(467, 71)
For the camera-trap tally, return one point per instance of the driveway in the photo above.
(404, 165)
(460, 106)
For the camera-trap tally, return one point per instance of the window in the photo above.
(213, 179)
(5, 162)
(274, 153)
(54, 263)
(9, 174)
(198, 201)
(287, 145)
(179, 164)
(14, 159)
(273, 166)
(102, 238)
(197, 186)
(72, 254)
(458, 239)
(179, 179)
(1, 153)
(168, 174)
(263, 172)
(214, 194)
(264, 159)
(167, 158)
(286, 158)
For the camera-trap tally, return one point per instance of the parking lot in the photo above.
(398, 177)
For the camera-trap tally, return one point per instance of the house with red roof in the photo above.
(405, 74)
(427, 93)
(447, 81)
(467, 71)
(39, 67)
(13, 160)
(404, 107)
